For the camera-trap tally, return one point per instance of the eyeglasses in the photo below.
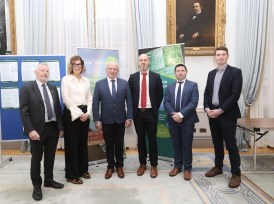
(76, 65)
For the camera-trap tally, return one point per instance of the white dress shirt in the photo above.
(110, 84)
(76, 92)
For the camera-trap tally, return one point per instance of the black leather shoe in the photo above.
(53, 184)
(37, 193)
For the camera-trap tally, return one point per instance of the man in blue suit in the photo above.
(113, 95)
(180, 101)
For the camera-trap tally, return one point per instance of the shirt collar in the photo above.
(72, 77)
(181, 81)
(144, 73)
(222, 68)
(109, 80)
(39, 83)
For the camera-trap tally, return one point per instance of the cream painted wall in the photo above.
(160, 22)
(19, 27)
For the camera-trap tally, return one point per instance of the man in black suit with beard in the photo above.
(147, 93)
(41, 116)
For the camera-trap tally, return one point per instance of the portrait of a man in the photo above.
(195, 23)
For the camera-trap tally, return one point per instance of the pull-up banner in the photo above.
(163, 61)
(95, 62)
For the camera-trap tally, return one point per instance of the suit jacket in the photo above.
(189, 102)
(32, 109)
(229, 92)
(112, 111)
(197, 24)
(155, 91)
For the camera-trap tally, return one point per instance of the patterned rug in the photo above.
(264, 163)
(215, 190)
(163, 189)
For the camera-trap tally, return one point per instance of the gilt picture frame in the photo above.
(180, 13)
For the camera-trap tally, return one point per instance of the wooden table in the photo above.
(257, 127)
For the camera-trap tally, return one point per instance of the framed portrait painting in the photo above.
(198, 24)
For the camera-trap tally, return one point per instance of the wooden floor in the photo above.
(264, 150)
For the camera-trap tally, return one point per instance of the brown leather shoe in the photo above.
(174, 172)
(213, 172)
(120, 172)
(153, 172)
(109, 173)
(234, 181)
(141, 169)
(187, 175)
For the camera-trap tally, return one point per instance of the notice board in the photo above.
(14, 72)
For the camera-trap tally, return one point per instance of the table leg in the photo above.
(254, 154)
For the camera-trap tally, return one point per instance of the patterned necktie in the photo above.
(113, 90)
(47, 101)
(178, 98)
(144, 91)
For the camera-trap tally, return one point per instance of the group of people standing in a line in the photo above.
(115, 104)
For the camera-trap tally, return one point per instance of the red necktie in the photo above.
(144, 91)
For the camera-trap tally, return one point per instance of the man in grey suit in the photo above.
(41, 116)
(180, 101)
(113, 95)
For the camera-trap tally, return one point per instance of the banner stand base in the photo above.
(97, 162)
(1, 156)
(5, 162)
(101, 161)
(165, 159)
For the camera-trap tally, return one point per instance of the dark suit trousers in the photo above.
(182, 138)
(47, 144)
(76, 150)
(114, 138)
(225, 130)
(146, 125)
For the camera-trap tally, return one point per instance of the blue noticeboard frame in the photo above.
(10, 121)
